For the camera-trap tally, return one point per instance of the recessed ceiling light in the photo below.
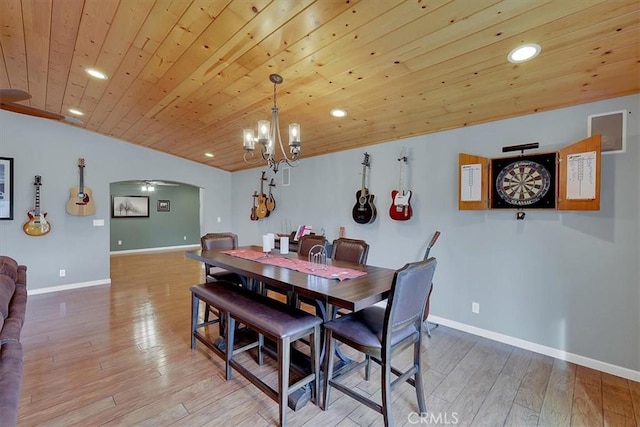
(208, 154)
(524, 53)
(76, 112)
(336, 112)
(97, 74)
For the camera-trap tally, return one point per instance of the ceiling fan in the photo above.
(9, 99)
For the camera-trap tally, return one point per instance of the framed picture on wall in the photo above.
(6, 188)
(130, 207)
(164, 205)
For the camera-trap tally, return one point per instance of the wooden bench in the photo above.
(269, 318)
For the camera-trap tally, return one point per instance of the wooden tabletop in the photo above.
(352, 294)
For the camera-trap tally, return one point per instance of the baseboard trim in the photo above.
(537, 348)
(165, 248)
(68, 287)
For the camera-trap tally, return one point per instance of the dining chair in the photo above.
(350, 250)
(305, 243)
(381, 333)
(425, 322)
(219, 241)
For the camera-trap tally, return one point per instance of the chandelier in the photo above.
(267, 134)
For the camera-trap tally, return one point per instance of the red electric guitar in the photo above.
(400, 209)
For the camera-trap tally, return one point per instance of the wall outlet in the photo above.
(475, 308)
(63, 273)
(219, 219)
(185, 238)
(119, 242)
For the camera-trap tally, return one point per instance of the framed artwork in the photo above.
(6, 188)
(164, 205)
(130, 207)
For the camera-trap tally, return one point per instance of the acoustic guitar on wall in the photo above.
(401, 209)
(80, 197)
(364, 211)
(37, 225)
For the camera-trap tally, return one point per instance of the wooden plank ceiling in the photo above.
(186, 76)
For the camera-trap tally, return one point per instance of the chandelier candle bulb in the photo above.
(249, 141)
(294, 134)
(263, 131)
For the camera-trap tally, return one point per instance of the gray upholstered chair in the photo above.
(380, 333)
(425, 322)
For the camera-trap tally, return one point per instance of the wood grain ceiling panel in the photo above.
(65, 23)
(12, 41)
(37, 16)
(187, 76)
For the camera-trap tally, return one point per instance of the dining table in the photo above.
(328, 284)
(336, 289)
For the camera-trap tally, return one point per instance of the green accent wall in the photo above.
(160, 229)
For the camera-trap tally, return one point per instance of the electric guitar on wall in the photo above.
(80, 197)
(261, 209)
(364, 211)
(37, 224)
(400, 209)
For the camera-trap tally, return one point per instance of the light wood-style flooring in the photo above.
(120, 355)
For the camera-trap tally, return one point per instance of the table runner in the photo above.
(331, 271)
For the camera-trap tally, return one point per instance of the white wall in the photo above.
(565, 280)
(51, 149)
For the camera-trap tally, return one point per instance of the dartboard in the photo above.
(524, 182)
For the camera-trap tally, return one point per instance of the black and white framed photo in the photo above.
(130, 207)
(6, 188)
(164, 205)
